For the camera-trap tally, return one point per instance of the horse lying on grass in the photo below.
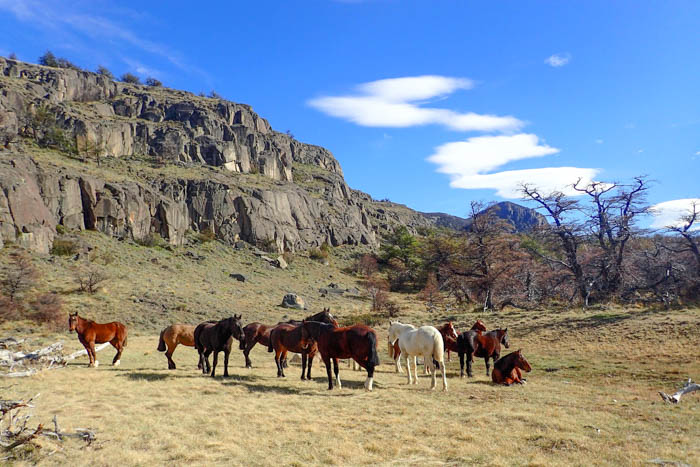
(358, 342)
(507, 369)
(216, 337)
(91, 333)
(425, 341)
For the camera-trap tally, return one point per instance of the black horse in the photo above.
(481, 344)
(217, 337)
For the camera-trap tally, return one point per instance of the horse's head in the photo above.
(329, 318)
(234, 325)
(479, 326)
(450, 330)
(521, 362)
(504, 337)
(307, 339)
(393, 331)
(72, 321)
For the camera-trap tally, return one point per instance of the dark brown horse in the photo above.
(481, 344)
(358, 342)
(91, 333)
(216, 337)
(174, 335)
(287, 337)
(507, 369)
(260, 333)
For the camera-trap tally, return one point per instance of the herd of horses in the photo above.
(321, 334)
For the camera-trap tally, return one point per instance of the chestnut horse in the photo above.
(174, 335)
(482, 344)
(91, 333)
(287, 337)
(358, 342)
(260, 333)
(507, 369)
(449, 337)
(216, 337)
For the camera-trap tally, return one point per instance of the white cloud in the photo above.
(671, 213)
(469, 162)
(558, 60)
(599, 141)
(397, 103)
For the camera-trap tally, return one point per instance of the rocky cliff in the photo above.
(170, 162)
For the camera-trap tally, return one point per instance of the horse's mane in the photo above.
(507, 363)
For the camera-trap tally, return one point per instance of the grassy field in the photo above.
(591, 398)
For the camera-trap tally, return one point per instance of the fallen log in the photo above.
(675, 398)
(77, 354)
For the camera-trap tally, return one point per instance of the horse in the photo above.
(451, 342)
(425, 341)
(395, 353)
(287, 337)
(91, 333)
(172, 336)
(449, 337)
(507, 369)
(358, 342)
(260, 333)
(216, 337)
(486, 345)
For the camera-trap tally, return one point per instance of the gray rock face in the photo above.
(123, 119)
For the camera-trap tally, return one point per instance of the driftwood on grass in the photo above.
(20, 364)
(675, 398)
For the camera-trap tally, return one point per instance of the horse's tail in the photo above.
(270, 347)
(391, 349)
(126, 334)
(161, 342)
(438, 348)
(373, 355)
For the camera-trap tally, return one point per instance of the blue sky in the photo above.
(428, 103)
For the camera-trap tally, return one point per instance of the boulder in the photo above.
(292, 300)
(238, 277)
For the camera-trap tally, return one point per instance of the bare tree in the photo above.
(689, 233)
(377, 290)
(89, 276)
(18, 276)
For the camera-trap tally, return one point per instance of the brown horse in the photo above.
(507, 369)
(286, 337)
(449, 337)
(216, 337)
(91, 333)
(172, 336)
(482, 344)
(358, 342)
(260, 333)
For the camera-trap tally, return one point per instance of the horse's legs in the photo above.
(327, 361)
(444, 376)
(461, 364)
(370, 376)
(397, 361)
(226, 354)
(246, 353)
(216, 360)
(93, 355)
(278, 361)
(336, 370)
(408, 369)
(470, 360)
(303, 365)
(488, 367)
(428, 359)
(207, 366)
(169, 356)
(117, 345)
(518, 376)
(309, 362)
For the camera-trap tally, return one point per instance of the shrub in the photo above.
(48, 59)
(152, 240)
(214, 95)
(60, 229)
(46, 309)
(153, 82)
(12, 56)
(318, 254)
(368, 319)
(18, 276)
(105, 72)
(206, 235)
(64, 246)
(9, 310)
(288, 256)
(366, 265)
(130, 78)
(89, 276)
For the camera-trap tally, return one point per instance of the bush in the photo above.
(206, 235)
(214, 95)
(60, 229)
(153, 82)
(318, 254)
(48, 59)
(105, 72)
(64, 246)
(152, 240)
(288, 256)
(89, 276)
(46, 309)
(9, 310)
(130, 78)
(18, 276)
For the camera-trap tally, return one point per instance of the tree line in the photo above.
(592, 250)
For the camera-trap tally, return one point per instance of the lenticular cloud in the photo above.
(398, 103)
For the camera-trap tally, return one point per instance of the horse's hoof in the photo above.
(117, 363)
(97, 363)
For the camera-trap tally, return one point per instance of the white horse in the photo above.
(397, 358)
(425, 341)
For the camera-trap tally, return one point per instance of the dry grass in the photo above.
(592, 370)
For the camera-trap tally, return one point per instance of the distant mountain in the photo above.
(520, 217)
